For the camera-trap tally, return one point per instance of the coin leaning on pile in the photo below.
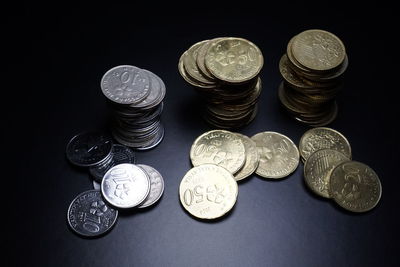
(225, 72)
(312, 71)
(330, 172)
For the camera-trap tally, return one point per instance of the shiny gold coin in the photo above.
(355, 186)
(252, 158)
(279, 156)
(200, 59)
(322, 137)
(189, 62)
(189, 79)
(219, 147)
(318, 167)
(290, 76)
(234, 60)
(208, 191)
(318, 50)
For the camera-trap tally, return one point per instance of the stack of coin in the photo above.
(225, 71)
(136, 99)
(330, 173)
(312, 69)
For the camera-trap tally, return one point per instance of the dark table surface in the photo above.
(60, 57)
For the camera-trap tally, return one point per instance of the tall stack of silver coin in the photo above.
(136, 99)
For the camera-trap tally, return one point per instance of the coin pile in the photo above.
(225, 72)
(329, 171)
(136, 99)
(312, 69)
(122, 185)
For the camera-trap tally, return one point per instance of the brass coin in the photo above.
(219, 147)
(252, 158)
(289, 75)
(322, 137)
(318, 50)
(200, 59)
(318, 167)
(234, 60)
(355, 186)
(189, 79)
(279, 156)
(208, 191)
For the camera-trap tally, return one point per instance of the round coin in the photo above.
(89, 215)
(318, 167)
(252, 158)
(279, 156)
(219, 147)
(156, 186)
(89, 149)
(322, 137)
(355, 186)
(208, 191)
(234, 60)
(125, 186)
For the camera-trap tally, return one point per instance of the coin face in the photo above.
(125, 84)
(318, 50)
(219, 147)
(279, 156)
(252, 158)
(89, 149)
(89, 215)
(208, 191)
(322, 137)
(125, 186)
(355, 186)
(156, 186)
(318, 167)
(234, 60)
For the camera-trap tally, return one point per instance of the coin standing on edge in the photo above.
(208, 191)
(156, 186)
(88, 214)
(252, 158)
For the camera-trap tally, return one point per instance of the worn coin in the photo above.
(355, 186)
(125, 186)
(219, 147)
(318, 167)
(252, 158)
(89, 215)
(279, 156)
(208, 191)
(156, 186)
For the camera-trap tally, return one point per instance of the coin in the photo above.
(208, 191)
(156, 186)
(234, 60)
(252, 158)
(219, 147)
(89, 149)
(322, 137)
(200, 59)
(125, 186)
(279, 156)
(355, 186)
(96, 185)
(318, 167)
(88, 215)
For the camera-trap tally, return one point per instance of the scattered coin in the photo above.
(252, 158)
(156, 186)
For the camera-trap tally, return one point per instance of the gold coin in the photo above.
(200, 59)
(289, 75)
(189, 79)
(234, 60)
(279, 156)
(318, 50)
(208, 191)
(252, 158)
(189, 62)
(322, 137)
(318, 167)
(219, 147)
(355, 186)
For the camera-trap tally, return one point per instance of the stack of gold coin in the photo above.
(312, 69)
(225, 72)
(330, 173)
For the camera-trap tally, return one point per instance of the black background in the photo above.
(58, 57)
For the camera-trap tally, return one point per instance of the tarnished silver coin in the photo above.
(125, 186)
(89, 215)
(156, 186)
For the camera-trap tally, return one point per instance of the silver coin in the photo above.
(155, 93)
(89, 149)
(157, 140)
(156, 186)
(96, 185)
(125, 186)
(125, 84)
(89, 215)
